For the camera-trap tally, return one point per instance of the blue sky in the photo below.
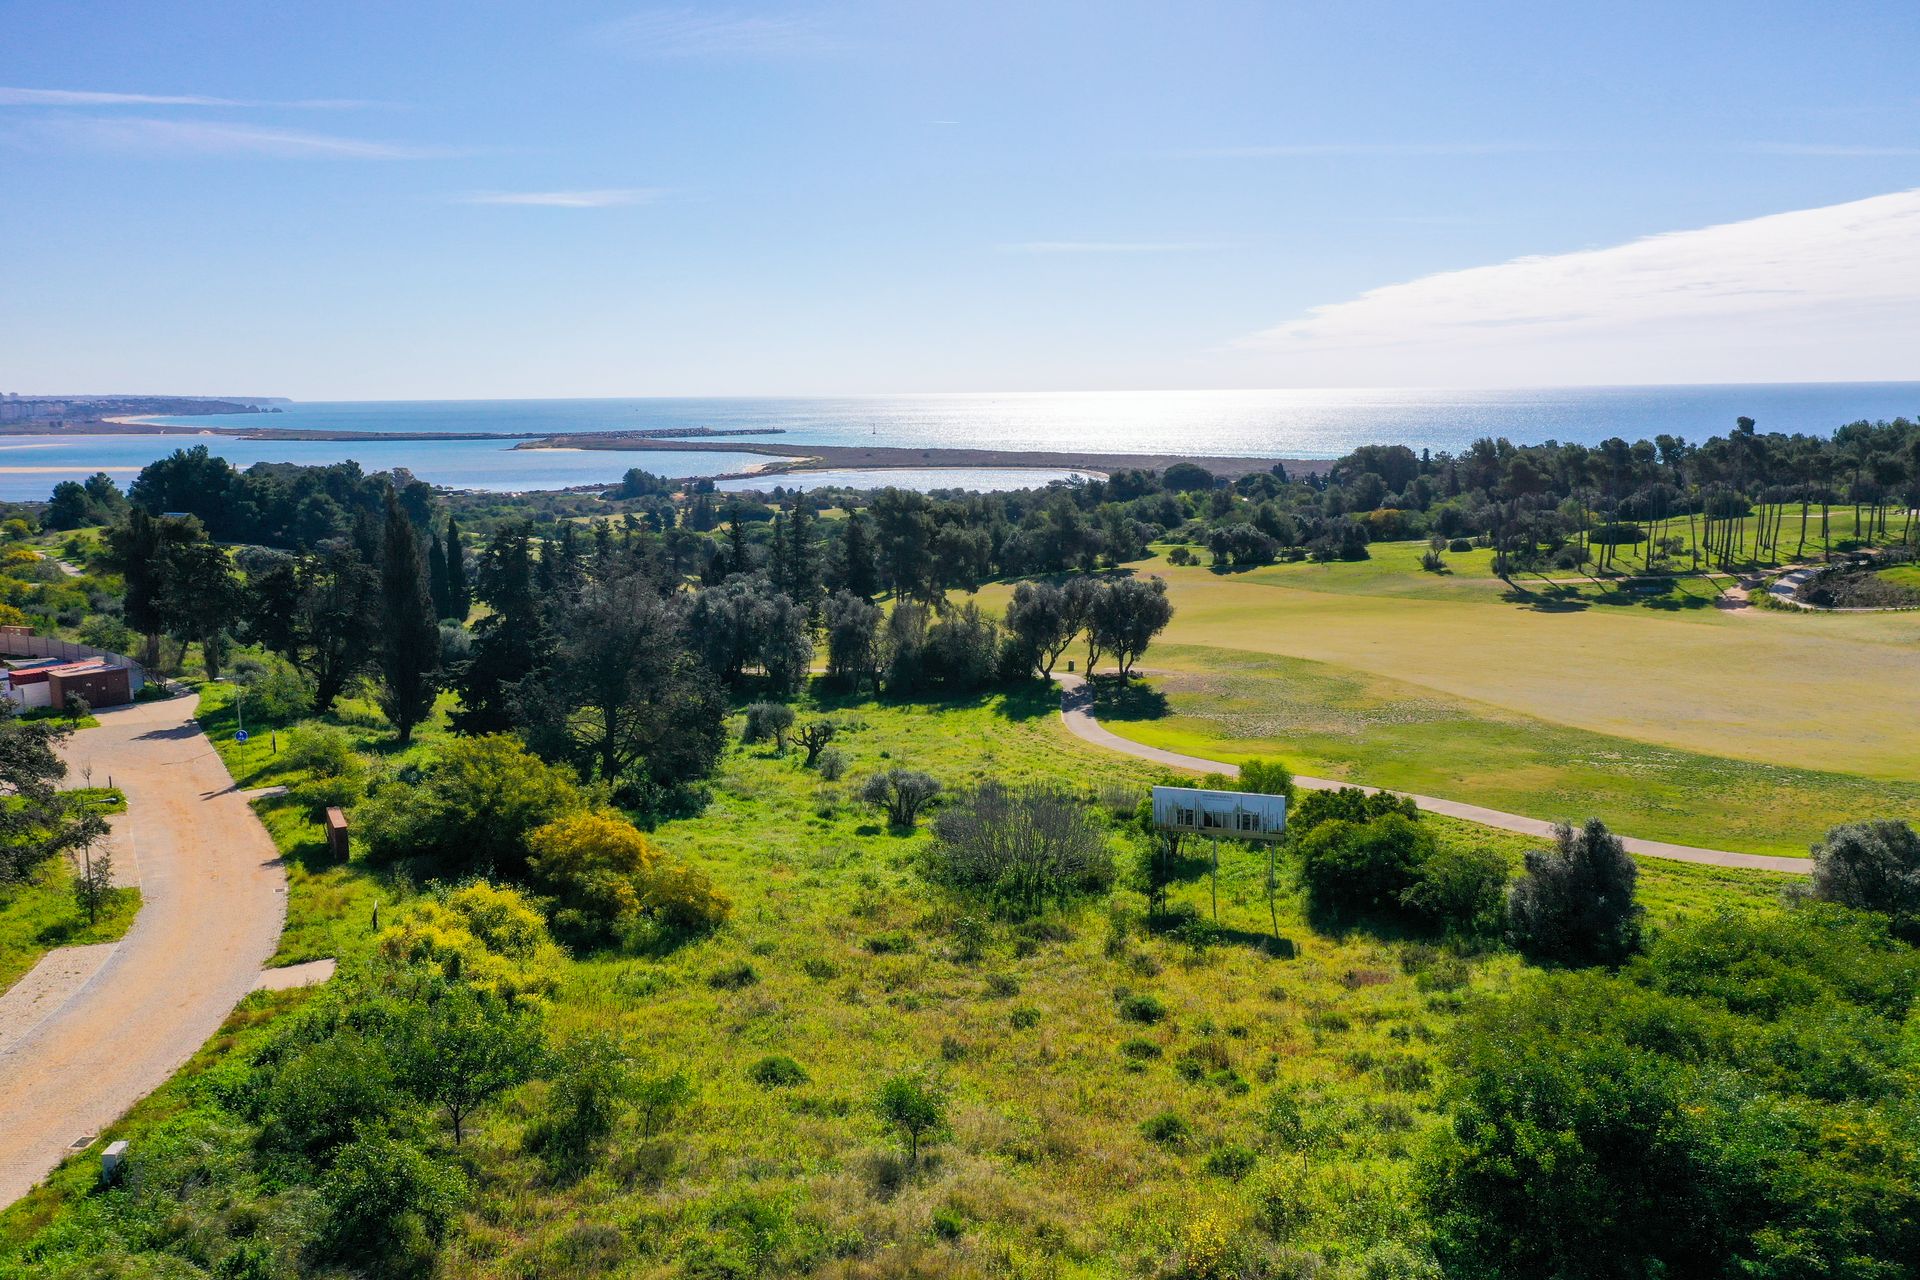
(347, 200)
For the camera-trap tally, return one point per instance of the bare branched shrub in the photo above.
(1019, 847)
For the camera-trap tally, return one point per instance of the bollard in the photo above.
(111, 1160)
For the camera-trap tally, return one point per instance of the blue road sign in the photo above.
(241, 736)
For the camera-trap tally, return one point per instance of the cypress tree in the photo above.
(459, 590)
(862, 573)
(409, 633)
(437, 576)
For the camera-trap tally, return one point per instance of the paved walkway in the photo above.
(1076, 708)
(213, 899)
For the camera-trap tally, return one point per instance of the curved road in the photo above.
(1076, 708)
(213, 902)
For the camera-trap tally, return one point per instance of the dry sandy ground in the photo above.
(1076, 708)
(213, 902)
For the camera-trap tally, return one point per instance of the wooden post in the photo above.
(1214, 886)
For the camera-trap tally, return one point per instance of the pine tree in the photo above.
(459, 590)
(409, 633)
(437, 576)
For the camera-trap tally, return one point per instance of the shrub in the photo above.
(1139, 1048)
(1166, 1129)
(1230, 1160)
(316, 795)
(1363, 868)
(388, 1206)
(592, 1079)
(1265, 777)
(1575, 904)
(1675, 1148)
(321, 750)
(777, 1071)
(472, 810)
(768, 720)
(832, 764)
(902, 793)
(1019, 848)
(1462, 892)
(1872, 866)
(1458, 545)
(276, 693)
(733, 977)
(685, 900)
(1349, 804)
(595, 868)
(1145, 1007)
(1024, 1018)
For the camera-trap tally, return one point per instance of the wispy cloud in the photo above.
(1109, 246)
(207, 138)
(1843, 150)
(1309, 150)
(1831, 292)
(699, 33)
(16, 97)
(602, 199)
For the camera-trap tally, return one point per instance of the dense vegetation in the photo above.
(663, 953)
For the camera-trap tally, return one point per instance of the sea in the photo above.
(1311, 423)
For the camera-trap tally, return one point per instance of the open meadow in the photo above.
(1121, 1098)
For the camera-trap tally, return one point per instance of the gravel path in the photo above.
(1076, 708)
(213, 899)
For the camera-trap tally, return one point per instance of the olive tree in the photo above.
(903, 793)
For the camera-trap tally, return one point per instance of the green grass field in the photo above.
(1332, 722)
(41, 915)
(852, 969)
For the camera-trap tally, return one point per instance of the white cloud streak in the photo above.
(1825, 293)
(696, 33)
(1313, 150)
(143, 135)
(17, 97)
(1108, 246)
(602, 199)
(1840, 150)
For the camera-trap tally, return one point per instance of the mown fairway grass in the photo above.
(1331, 722)
(852, 968)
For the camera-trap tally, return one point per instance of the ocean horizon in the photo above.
(1306, 424)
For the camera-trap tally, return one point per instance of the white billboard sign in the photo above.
(1238, 815)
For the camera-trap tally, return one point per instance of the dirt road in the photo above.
(1076, 708)
(213, 902)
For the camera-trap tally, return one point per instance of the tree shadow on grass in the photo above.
(1117, 699)
(1023, 700)
(1556, 599)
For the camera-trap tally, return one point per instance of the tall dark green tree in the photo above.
(510, 642)
(137, 549)
(459, 590)
(437, 576)
(200, 599)
(409, 633)
(860, 572)
(317, 612)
